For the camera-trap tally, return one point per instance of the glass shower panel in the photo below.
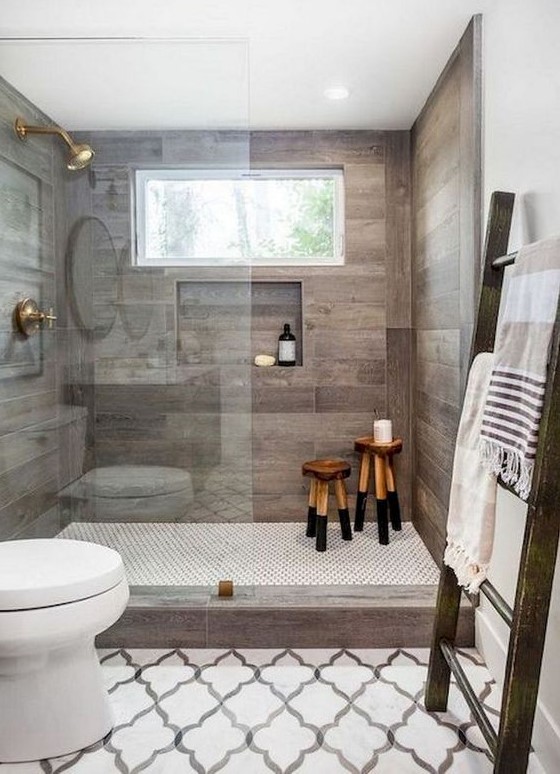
(29, 468)
(155, 359)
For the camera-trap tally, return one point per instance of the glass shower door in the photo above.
(155, 345)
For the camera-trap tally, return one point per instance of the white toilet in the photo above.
(55, 596)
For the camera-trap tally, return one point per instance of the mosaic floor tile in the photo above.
(259, 554)
(257, 711)
(285, 741)
(212, 741)
(253, 705)
(356, 740)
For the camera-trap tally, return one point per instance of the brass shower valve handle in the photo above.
(49, 317)
(28, 317)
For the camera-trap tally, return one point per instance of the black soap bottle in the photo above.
(287, 347)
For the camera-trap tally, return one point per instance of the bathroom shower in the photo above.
(80, 155)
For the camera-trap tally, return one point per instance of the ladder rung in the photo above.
(504, 260)
(486, 727)
(497, 601)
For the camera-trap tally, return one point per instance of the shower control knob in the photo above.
(28, 317)
(50, 318)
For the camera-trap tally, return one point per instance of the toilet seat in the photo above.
(118, 493)
(42, 573)
(126, 481)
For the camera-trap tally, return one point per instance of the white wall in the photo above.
(521, 153)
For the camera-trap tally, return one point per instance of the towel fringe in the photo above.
(509, 464)
(470, 574)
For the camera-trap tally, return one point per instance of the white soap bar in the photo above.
(383, 431)
(265, 360)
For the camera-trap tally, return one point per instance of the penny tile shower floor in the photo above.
(253, 711)
(260, 554)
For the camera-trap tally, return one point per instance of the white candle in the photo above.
(383, 431)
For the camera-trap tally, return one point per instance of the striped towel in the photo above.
(512, 413)
(472, 502)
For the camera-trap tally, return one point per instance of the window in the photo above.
(187, 217)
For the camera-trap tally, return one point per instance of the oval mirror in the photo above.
(135, 296)
(92, 276)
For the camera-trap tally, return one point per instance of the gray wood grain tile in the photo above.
(432, 409)
(439, 243)
(435, 478)
(292, 399)
(121, 147)
(441, 381)
(227, 148)
(280, 507)
(430, 519)
(35, 155)
(399, 398)
(316, 427)
(362, 343)
(365, 398)
(318, 147)
(292, 617)
(319, 627)
(446, 164)
(143, 626)
(334, 316)
(436, 279)
(22, 513)
(355, 372)
(398, 230)
(438, 346)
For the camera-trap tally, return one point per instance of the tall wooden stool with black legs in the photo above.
(385, 484)
(321, 473)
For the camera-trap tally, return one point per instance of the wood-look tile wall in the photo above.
(29, 447)
(356, 322)
(445, 272)
(351, 326)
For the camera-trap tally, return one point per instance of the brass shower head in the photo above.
(80, 154)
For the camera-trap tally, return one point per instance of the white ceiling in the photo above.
(123, 84)
(231, 63)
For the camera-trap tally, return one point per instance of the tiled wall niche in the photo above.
(214, 319)
(272, 305)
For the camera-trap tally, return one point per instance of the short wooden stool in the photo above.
(385, 484)
(321, 472)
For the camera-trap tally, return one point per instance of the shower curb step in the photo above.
(290, 617)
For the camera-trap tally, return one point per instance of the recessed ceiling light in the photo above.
(337, 92)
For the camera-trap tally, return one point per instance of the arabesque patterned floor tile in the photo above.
(258, 711)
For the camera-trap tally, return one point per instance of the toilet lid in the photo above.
(134, 481)
(43, 573)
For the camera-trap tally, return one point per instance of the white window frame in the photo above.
(140, 178)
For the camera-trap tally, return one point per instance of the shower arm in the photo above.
(22, 130)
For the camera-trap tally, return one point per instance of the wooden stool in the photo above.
(321, 472)
(385, 484)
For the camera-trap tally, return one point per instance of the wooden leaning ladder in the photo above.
(510, 747)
